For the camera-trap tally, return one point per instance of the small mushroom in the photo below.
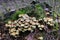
(37, 23)
(25, 30)
(27, 20)
(9, 22)
(19, 29)
(51, 24)
(39, 26)
(48, 23)
(17, 32)
(19, 22)
(42, 26)
(40, 38)
(15, 21)
(9, 25)
(26, 23)
(47, 13)
(45, 19)
(40, 19)
(33, 23)
(13, 34)
(20, 15)
(33, 27)
(25, 26)
(22, 25)
(40, 29)
(22, 19)
(12, 30)
(50, 19)
(6, 25)
(29, 29)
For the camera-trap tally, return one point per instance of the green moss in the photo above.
(56, 26)
(39, 11)
(15, 15)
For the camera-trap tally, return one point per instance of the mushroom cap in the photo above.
(19, 22)
(26, 23)
(48, 22)
(9, 22)
(39, 26)
(20, 15)
(6, 25)
(33, 23)
(26, 26)
(15, 21)
(37, 23)
(22, 25)
(9, 25)
(25, 29)
(17, 32)
(42, 26)
(26, 16)
(32, 30)
(33, 27)
(29, 29)
(13, 34)
(40, 29)
(51, 24)
(40, 19)
(19, 29)
(27, 20)
(45, 19)
(22, 19)
(50, 19)
(33, 18)
(41, 38)
(47, 13)
(12, 30)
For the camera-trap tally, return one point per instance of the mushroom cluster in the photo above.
(49, 21)
(25, 23)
